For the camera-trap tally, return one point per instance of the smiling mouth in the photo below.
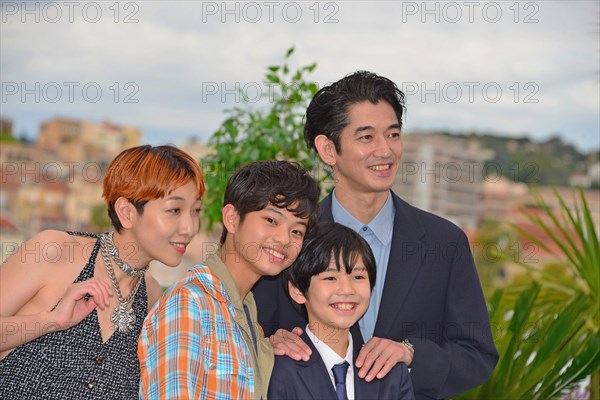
(344, 306)
(383, 167)
(276, 254)
(180, 246)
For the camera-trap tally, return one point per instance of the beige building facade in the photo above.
(443, 175)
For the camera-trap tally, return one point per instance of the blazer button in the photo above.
(99, 360)
(91, 385)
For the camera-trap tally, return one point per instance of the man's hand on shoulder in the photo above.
(378, 356)
(286, 343)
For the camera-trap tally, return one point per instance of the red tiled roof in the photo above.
(6, 224)
(528, 227)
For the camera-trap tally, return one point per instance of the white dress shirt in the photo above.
(331, 358)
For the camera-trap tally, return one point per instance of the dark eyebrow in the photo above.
(277, 210)
(369, 127)
(274, 210)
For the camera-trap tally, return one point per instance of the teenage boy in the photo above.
(202, 339)
(427, 290)
(331, 281)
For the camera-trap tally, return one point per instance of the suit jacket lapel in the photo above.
(362, 388)
(406, 256)
(326, 209)
(314, 375)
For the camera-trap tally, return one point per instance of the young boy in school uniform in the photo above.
(202, 339)
(331, 280)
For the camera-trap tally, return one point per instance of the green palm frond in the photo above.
(547, 332)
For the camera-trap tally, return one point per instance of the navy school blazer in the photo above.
(293, 379)
(431, 296)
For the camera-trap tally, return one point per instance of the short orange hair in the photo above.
(145, 173)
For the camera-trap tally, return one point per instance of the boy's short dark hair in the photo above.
(281, 183)
(327, 240)
(327, 113)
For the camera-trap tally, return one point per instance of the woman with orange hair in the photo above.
(72, 304)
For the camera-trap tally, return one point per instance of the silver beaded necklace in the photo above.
(123, 317)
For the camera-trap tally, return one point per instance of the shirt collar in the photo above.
(382, 225)
(329, 356)
(217, 266)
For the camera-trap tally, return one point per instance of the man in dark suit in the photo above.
(427, 296)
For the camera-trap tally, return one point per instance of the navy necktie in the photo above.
(339, 375)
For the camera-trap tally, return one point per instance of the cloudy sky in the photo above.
(170, 68)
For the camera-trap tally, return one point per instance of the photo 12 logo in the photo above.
(270, 11)
(453, 12)
(53, 12)
(50, 172)
(468, 171)
(71, 92)
(248, 92)
(472, 92)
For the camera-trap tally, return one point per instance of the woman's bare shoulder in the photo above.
(40, 270)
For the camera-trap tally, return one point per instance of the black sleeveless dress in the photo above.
(75, 363)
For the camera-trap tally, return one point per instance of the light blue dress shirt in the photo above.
(378, 233)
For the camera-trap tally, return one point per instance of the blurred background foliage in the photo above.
(100, 221)
(250, 133)
(545, 321)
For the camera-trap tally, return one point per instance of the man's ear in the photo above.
(326, 149)
(231, 218)
(126, 212)
(296, 294)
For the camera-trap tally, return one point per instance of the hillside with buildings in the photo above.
(55, 181)
(541, 163)
(487, 185)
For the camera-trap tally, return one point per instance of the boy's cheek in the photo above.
(293, 250)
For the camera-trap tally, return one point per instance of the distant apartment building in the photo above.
(85, 194)
(6, 126)
(501, 197)
(594, 174)
(81, 141)
(56, 182)
(24, 169)
(443, 175)
(11, 238)
(195, 148)
(41, 206)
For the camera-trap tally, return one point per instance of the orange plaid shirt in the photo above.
(195, 343)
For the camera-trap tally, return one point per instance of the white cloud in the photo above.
(176, 49)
